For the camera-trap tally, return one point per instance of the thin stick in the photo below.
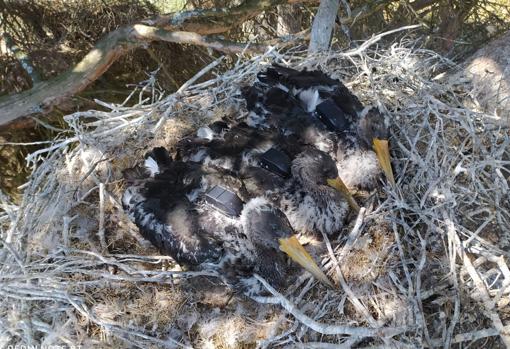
(464, 337)
(353, 235)
(330, 329)
(100, 233)
(201, 73)
(351, 295)
(487, 302)
(377, 38)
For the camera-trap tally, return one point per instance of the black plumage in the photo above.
(234, 195)
(310, 203)
(322, 112)
(167, 200)
(156, 200)
(236, 147)
(278, 74)
(274, 108)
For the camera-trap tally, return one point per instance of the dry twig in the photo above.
(451, 200)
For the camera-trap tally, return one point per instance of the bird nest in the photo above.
(424, 263)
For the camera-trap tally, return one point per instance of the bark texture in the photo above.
(216, 21)
(289, 19)
(322, 26)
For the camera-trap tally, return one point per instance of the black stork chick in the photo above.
(300, 180)
(310, 197)
(365, 150)
(172, 203)
(276, 109)
(360, 134)
(237, 147)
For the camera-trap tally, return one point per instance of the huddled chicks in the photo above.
(234, 196)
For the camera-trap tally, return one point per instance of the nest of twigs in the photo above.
(423, 264)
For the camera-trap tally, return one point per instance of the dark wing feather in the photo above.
(346, 100)
(164, 215)
(173, 228)
(161, 156)
(285, 112)
(292, 78)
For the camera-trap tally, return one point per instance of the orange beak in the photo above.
(293, 248)
(339, 185)
(383, 155)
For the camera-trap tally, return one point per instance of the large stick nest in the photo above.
(424, 264)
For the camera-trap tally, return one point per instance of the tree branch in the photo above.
(185, 27)
(365, 10)
(215, 21)
(322, 26)
(147, 33)
(43, 96)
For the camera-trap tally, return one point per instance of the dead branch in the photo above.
(147, 33)
(488, 303)
(365, 10)
(186, 27)
(43, 96)
(216, 20)
(322, 26)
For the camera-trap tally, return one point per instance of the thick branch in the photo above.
(217, 20)
(147, 33)
(46, 94)
(182, 27)
(322, 26)
(43, 96)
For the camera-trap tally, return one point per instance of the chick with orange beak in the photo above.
(373, 134)
(331, 118)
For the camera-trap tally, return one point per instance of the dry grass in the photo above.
(425, 263)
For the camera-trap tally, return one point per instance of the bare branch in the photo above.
(43, 96)
(323, 25)
(213, 21)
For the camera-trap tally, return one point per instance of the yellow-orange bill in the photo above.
(383, 155)
(293, 248)
(339, 185)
